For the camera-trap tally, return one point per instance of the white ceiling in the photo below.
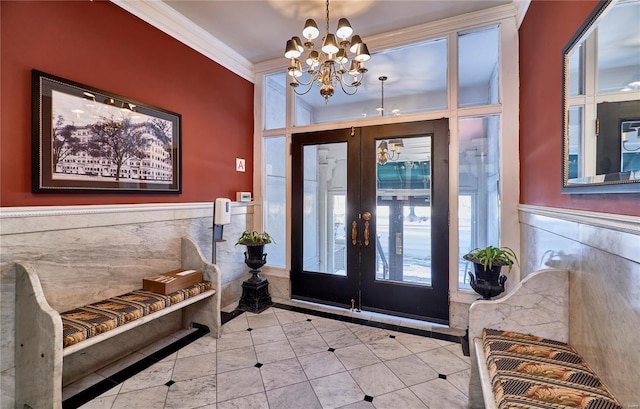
(240, 34)
(258, 30)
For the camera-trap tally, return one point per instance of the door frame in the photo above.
(358, 146)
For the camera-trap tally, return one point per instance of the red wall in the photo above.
(546, 29)
(101, 45)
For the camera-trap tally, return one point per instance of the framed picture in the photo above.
(88, 140)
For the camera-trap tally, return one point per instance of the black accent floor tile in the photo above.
(228, 316)
(249, 329)
(368, 398)
(258, 365)
(331, 350)
(441, 376)
(170, 383)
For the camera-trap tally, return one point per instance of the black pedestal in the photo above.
(255, 295)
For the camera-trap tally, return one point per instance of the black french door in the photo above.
(370, 218)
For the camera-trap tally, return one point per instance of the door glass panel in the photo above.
(403, 222)
(324, 209)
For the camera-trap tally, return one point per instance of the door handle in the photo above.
(354, 232)
(366, 216)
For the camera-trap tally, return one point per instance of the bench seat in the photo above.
(57, 347)
(527, 371)
(90, 320)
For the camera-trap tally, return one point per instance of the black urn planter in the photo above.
(255, 291)
(487, 282)
(255, 258)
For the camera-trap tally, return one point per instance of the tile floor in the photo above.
(287, 359)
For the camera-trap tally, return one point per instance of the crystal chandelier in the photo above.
(330, 65)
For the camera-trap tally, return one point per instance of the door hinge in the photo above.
(597, 126)
(353, 131)
(449, 137)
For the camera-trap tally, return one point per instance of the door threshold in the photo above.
(375, 319)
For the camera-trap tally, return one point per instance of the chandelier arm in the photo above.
(355, 84)
(345, 90)
(310, 86)
(310, 82)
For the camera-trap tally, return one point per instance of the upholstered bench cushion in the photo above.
(93, 319)
(533, 372)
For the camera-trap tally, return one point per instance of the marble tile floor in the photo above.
(295, 358)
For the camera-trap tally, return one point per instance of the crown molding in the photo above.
(168, 20)
(523, 6)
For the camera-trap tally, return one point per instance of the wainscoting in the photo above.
(79, 244)
(602, 253)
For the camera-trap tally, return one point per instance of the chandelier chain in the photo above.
(327, 24)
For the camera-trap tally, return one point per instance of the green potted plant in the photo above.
(254, 238)
(254, 257)
(488, 262)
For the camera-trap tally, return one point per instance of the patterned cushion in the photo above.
(533, 372)
(86, 322)
(120, 311)
(91, 320)
(147, 301)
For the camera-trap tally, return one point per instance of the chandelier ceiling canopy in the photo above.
(334, 63)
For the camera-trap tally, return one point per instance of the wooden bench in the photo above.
(40, 355)
(521, 350)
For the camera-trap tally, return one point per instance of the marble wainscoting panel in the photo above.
(458, 315)
(605, 321)
(79, 248)
(230, 258)
(604, 287)
(80, 266)
(7, 308)
(279, 284)
(7, 386)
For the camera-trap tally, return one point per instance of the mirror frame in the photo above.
(615, 186)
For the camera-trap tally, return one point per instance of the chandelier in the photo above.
(389, 151)
(330, 65)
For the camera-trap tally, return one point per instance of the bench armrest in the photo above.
(538, 305)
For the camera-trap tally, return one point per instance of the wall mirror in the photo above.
(601, 102)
